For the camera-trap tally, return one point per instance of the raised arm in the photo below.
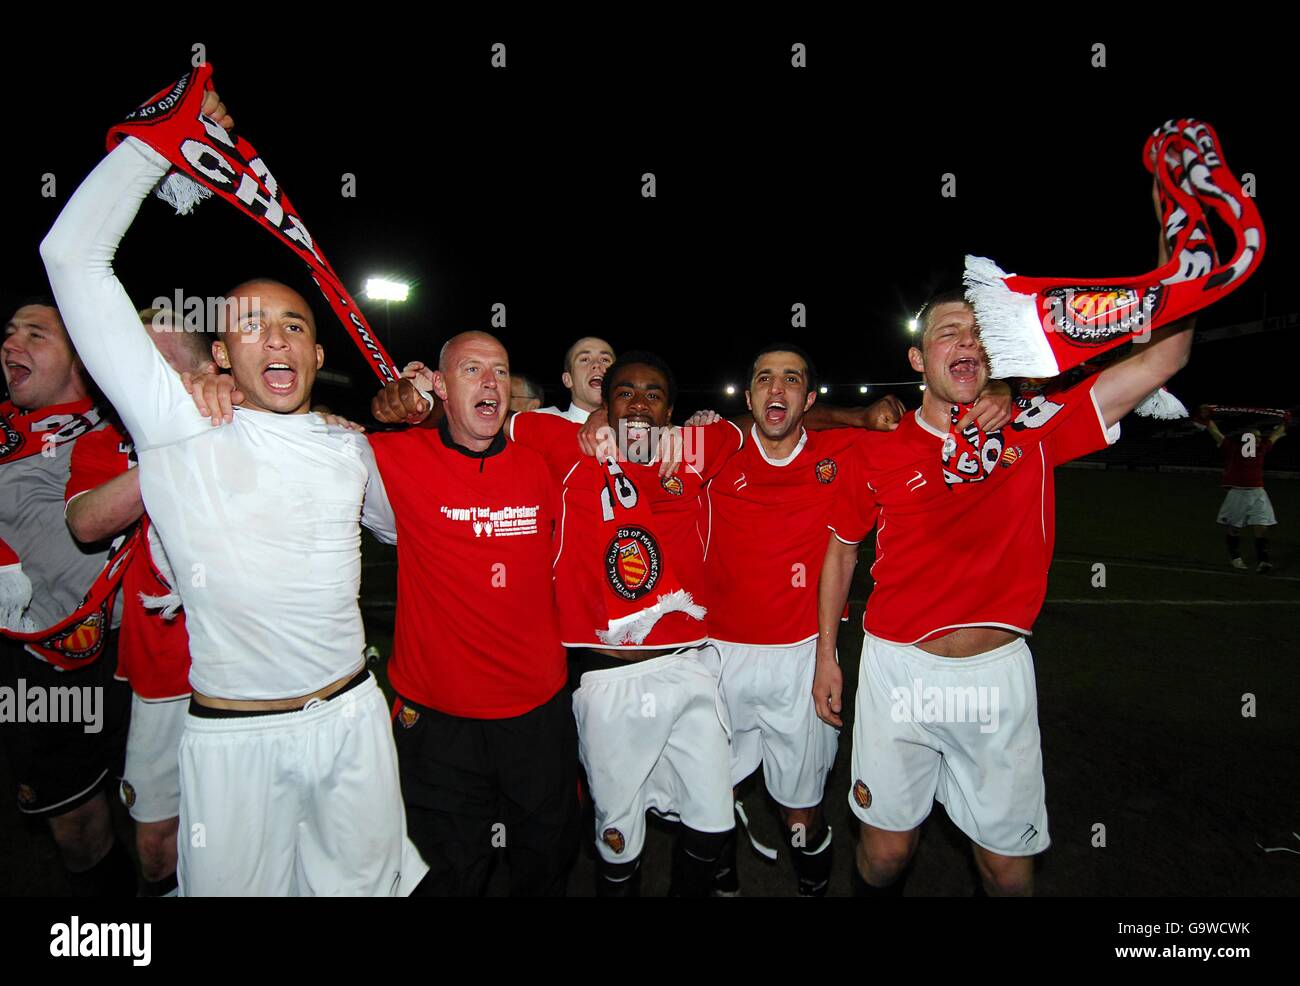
(100, 318)
(1217, 435)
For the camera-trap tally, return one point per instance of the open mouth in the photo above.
(16, 373)
(280, 377)
(964, 370)
(775, 413)
(486, 408)
(595, 382)
(637, 427)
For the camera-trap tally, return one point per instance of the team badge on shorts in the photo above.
(826, 471)
(614, 839)
(26, 796)
(408, 717)
(128, 793)
(672, 484)
(862, 795)
(632, 562)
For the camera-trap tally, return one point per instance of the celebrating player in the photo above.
(946, 703)
(1246, 504)
(585, 365)
(59, 768)
(484, 731)
(261, 517)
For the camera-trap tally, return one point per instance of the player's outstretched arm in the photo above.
(832, 594)
(107, 510)
(1215, 433)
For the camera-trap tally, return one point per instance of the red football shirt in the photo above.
(970, 554)
(768, 537)
(475, 631)
(582, 537)
(1244, 471)
(153, 654)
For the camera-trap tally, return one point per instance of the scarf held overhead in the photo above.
(224, 163)
(1042, 326)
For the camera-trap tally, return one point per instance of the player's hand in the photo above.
(596, 437)
(992, 409)
(828, 683)
(884, 415)
(214, 109)
(400, 403)
(338, 421)
(419, 374)
(701, 418)
(215, 395)
(671, 451)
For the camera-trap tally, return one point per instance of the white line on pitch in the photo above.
(1177, 602)
(1233, 574)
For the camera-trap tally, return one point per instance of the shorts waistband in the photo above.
(918, 656)
(207, 712)
(606, 668)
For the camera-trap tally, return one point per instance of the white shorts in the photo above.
(1247, 508)
(653, 736)
(768, 695)
(960, 730)
(295, 804)
(151, 786)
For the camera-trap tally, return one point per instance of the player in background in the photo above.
(153, 654)
(277, 663)
(525, 394)
(1246, 504)
(585, 364)
(59, 768)
(769, 506)
(946, 702)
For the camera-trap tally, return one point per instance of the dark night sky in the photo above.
(820, 186)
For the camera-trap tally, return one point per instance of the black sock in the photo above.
(619, 879)
(695, 860)
(112, 876)
(726, 877)
(158, 888)
(1234, 545)
(863, 889)
(1261, 549)
(812, 863)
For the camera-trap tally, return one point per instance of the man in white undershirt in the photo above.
(585, 364)
(289, 779)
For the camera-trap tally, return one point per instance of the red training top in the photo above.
(582, 538)
(475, 630)
(769, 537)
(1242, 471)
(971, 554)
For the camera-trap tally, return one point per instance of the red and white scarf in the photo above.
(1042, 326)
(79, 638)
(211, 160)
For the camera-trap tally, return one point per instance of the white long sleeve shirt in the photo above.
(259, 517)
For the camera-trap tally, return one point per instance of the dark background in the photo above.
(775, 185)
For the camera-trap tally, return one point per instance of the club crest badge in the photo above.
(26, 796)
(861, 795)
(1093, 316)
(633, 562)
(408, 717)
(614, 839)
(673, 485)
(826, 471)
(128, 794)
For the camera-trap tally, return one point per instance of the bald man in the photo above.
(485, 733)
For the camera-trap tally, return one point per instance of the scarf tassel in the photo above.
(633, 629)
(1009, 326)
(15, 595)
